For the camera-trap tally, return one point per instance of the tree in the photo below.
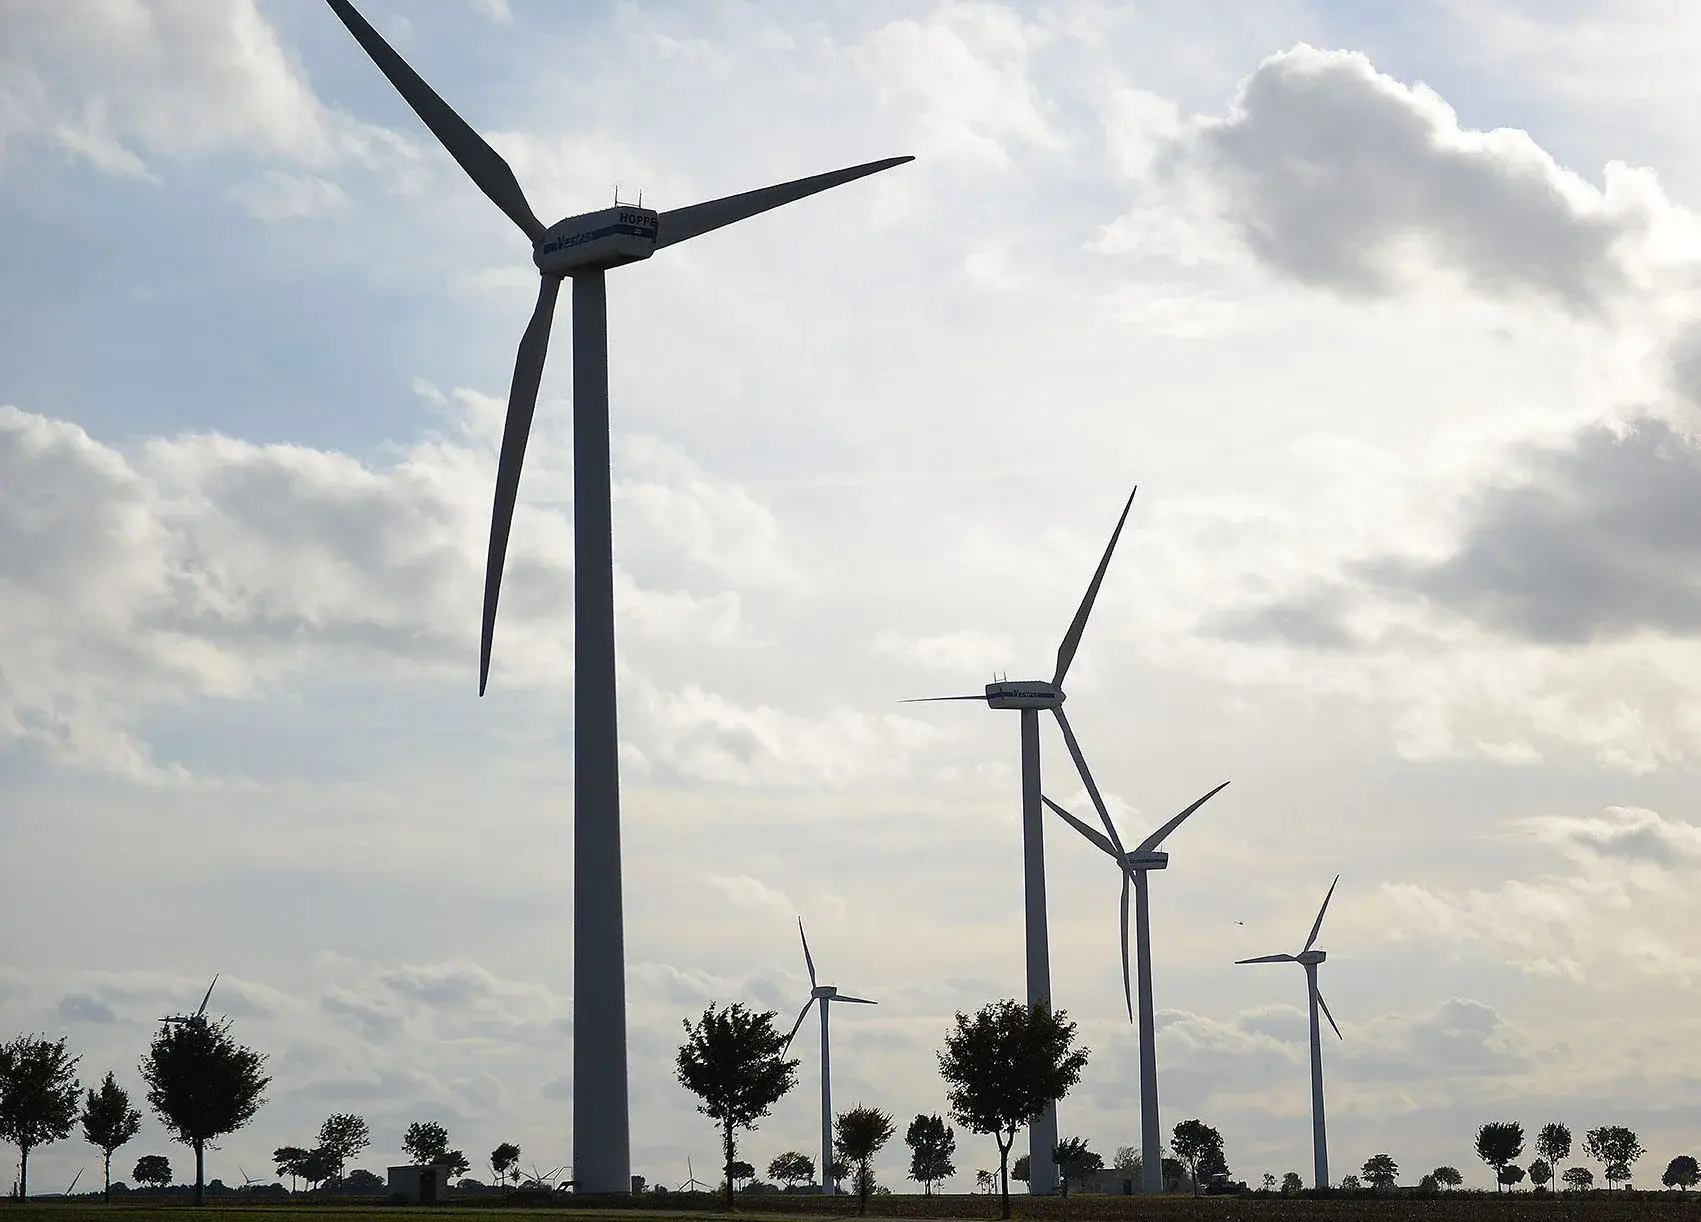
(363, 1183)
(1019, 1168)
(1292, 1184)
(1541, 1172)
(837, 1169)
(1427, 1183)
(859, 1134)
(1127, 1161)
(426, 1142)
(109, 1122)
(792, 1168)
(1075, 1161)
(1448, 1177)
(342, 1137)
(733, 1060)
(1269, 1181)
(1580, 1179)
(503, 1159)
(986, 1180)
(1004, 1067)
(1682, 1172)
(1498, 1143)
(740, 1170)
(1382, 1171)
(454, 1163)
(318, 1167)
(933, 1145)
(38, 1097)
(1349, 1183)
(1510, 1175)
(1554, 1144)
(154, 1169)
(1192, 1141)
(202, 1084)
(1614, 1146)
(289, 1160)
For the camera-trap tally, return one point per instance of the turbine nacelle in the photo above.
(825, 991)
(1023, 694)
(591, 241)
(1311, 957)
(1137, 860)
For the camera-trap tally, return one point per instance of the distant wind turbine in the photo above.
(1030, 696)
(198, 1015)
(1134, 866)
(1309, 959)
(825, 994)
(583, 247)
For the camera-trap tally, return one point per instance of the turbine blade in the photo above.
(1325, 1007)
(207, 998)
(1270, 959)
(1156, 838)
(697, 219)
(931, 699)
(1087, 780)
(861, 1001)
(483, 164)
(522, 400)
(1127, 989)
(1096, 837)
(1072, 638)
(1318, 923)
(801, 1015)
(806, 957)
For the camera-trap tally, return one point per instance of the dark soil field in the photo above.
(1456, 1207)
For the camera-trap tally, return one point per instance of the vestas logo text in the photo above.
(645, 228)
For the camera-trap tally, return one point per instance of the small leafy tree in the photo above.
(985, 1180)
(933, 1144)
(1541, 1173)
(859, 1134)
(1382, 1171)
(1553, 1143)
(1075, 1161)
(503, 1159)
(319, 1166)
(792, 1168)
(1682, 1172)
(38, 1097)
(1448, 1177)
(202, 1084)
(342, 1137)
(1019, 1168)
(1127, 1161)
(1004, 1066)
(426, 1142)
(1349, 1183)
(1579, 1179)
(454, 1163)
(1427, 1183)
(1510, 1175)
(733, 1060)
(1192, 1141)
(152, 1169)
(109, 1122)
(289, 1161)
(1498, 1143)
(1614, 1146)
(1292, 1185)
(1269, 1181)
(741, 1171)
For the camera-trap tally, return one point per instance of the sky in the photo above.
(1392, 313)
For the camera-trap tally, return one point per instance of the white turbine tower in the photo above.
(1309, 959)
(1030, 696)
(1134, 867)
(583, 247)
(825, 994)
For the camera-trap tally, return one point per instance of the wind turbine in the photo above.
(692, 1183)
(1030, 696)
(1309, 959)
(583, 247)
(825, 994)
(199, 1015)
(1134, 867)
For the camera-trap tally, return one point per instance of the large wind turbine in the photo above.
(583, 247)
(1030, 696)
(825, 994)
(1309, 959)
(1134, 866)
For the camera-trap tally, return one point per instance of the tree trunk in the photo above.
(199, 1147)
(1004, 1175)
(23, 1173)
(862, 1197)
(729, 1154)
(109, 1177)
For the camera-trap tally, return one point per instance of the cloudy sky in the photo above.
(1394, 318)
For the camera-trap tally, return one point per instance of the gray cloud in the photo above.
(81, 1008)
(1337, 175)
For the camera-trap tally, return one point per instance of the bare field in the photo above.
(1462, 1207)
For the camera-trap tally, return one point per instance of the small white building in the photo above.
(420, 1185)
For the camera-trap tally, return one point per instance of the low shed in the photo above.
(419, 1184)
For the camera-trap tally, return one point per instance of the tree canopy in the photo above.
(503, 1159)
(858, 1136)
(1682, 1172)
(426, 1142)
(152, 1169)
(1553, 1143)
(1498, 1143)
(792, 1167)
(1616, 1148)
(202, 1084)
(1579, 1178)
(38, 1096)
(1004, 1066)
(343, 1136)
(1192, 1141)
(109, 1122)
(933, 1145)
(733, 1061)
(1541, 1172)
(1381, 1171)
(1075, 1161)
(1448, 1177)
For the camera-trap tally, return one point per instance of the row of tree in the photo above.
(1501, 1143)
(201, 1084)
